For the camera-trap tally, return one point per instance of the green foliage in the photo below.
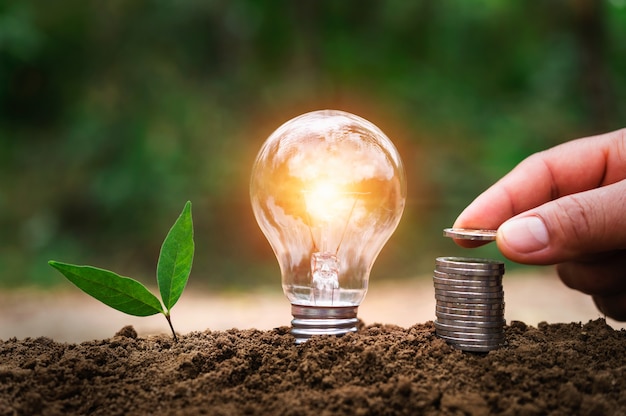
(175, 260)
(122, 293)
(130, 296)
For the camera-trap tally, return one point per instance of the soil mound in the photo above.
(558, 369)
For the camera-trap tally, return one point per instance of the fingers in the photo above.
(604, 276)
(613, 306)
(604, 279)
(568, 228)
(573, 167)
(565, 205)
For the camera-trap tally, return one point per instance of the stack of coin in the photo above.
(469, 303)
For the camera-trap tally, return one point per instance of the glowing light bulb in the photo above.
(328, 190)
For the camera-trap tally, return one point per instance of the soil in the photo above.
(558, 369)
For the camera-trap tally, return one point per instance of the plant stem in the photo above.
(169, 321)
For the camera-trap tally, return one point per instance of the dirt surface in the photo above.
(70, 315)
(559, 369)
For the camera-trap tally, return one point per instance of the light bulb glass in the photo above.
(328, 190)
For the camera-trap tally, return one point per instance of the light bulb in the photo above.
(328, 190)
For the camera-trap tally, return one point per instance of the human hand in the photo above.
(564, 206)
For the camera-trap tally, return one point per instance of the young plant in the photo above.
(128, 295)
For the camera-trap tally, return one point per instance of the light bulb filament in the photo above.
(330, 213)
(325, 275)
(325, 270)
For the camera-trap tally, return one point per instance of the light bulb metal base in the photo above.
(309, 321)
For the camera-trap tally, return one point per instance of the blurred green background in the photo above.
(114, 113)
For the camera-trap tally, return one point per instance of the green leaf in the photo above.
(122, 293)
(176, 258)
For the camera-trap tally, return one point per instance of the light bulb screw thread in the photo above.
(309, 321)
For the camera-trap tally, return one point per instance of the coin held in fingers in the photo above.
(470, 234)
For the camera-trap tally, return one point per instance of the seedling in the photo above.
(130, 296)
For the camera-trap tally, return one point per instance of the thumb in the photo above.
(567, 228)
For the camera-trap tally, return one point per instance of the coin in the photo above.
(473, 314)
(441, 278)
(475, 273)
(485, 323)
(482, 331)
(475, 342)
(466, 309)
(470, 234)
(444, 278)
(463, 319)
(486, 301)
(466, 305)
(469, 263)
(456, 265)
(461, 295)
(477, 348)
(468, 271)
(467, 289)
(473, 339)
(467, 317)
(495, 329)
(451, 324)
(469, 303)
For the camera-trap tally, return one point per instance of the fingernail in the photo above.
(525, 235)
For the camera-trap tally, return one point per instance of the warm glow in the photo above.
(325, 200)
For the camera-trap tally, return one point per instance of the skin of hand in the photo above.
(564, 206)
